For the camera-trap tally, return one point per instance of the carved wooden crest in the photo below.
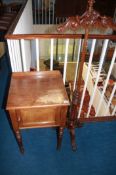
(91, 18)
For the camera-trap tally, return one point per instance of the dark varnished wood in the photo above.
(89, 19)
(37, 99)
(59, 35)
(60, 131)
(98, 119)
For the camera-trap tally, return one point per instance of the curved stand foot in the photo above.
(74, 147)
(73, 140)
(21, 150)
(79, 124)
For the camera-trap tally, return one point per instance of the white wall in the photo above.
(25, 23)
(25, 26)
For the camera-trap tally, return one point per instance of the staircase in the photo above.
(7, 15)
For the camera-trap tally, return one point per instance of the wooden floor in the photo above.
(71, 66)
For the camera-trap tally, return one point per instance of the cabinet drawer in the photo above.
(40, 116)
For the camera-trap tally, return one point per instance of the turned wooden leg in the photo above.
(15, 121)
(72, 136)
(19, 141)
(59, 137)
(57, 130)
(73, 118)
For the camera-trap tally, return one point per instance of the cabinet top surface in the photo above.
(36, 89)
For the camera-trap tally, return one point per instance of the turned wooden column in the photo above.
(89, 19)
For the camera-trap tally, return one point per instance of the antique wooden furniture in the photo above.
(89, 19)
(37, 99)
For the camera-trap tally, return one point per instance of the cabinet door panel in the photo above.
(42, 116)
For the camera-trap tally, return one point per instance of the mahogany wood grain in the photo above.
(36, 89)
(59, 35)
(35, 100)
(98, 119)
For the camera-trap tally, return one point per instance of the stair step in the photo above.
(4, 22)
(9, 14)
(3, 28)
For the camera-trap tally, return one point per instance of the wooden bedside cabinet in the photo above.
(37, 99)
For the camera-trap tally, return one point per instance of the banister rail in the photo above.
(59, 36)
(90, 83)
